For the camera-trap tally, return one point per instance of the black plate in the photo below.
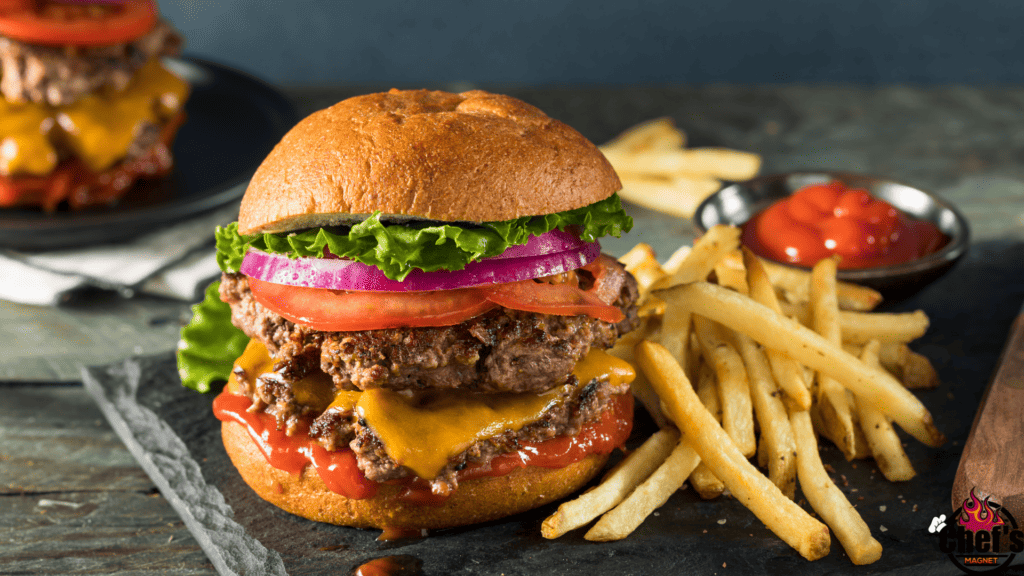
(233, 122)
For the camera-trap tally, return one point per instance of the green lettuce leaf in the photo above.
(210, 344)
(397, 249)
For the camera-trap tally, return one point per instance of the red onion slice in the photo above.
(340, 274)
(546, 243)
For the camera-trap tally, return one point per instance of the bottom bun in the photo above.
(476, 500)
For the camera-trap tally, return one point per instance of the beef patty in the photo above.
(500, 351)
(337, 428)
(565, 418)
(60, 75)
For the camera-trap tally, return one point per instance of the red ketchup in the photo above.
(74, 182)
(341, 474)
(820, 220)
(292, 453)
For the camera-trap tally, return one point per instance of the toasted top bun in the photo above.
(469, 157)
(477, 500)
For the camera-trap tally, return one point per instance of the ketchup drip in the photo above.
(340, 473)
(292, 453)
(391, 566)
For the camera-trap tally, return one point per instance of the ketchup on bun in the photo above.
(413, 314)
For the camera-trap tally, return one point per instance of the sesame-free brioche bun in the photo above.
(420, 154)
(477, 500)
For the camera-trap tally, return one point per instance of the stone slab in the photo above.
(173, 435)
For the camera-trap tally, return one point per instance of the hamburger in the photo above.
(413, 314)
(87, 108)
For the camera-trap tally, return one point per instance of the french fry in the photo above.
(698, 263)
(776, 433)
(731, 273)
(702, 432)
(676, 195)
(788, 374)
(623, 347)
(795, 283)
(642, 390)
(807, 347)
(703, 480)
(733, 384)
(647, 497)
(707, 390)
(694, 162)
(693, 360)
(829, 426)
(642, 264)
(836, 410)
(651, 307)
(657, 172)
(919, 372)
(885, 444)
(675, 332)
(826, 499)
(657, 134)
(860, 327)
(636, 256)
(672, 264)
(714, 245)
(614, 487)
(913, 369)
(895, 358)
(738, 330)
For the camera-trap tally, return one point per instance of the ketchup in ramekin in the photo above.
(821, 220)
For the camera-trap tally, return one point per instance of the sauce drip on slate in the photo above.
(401, 565)
(390, 534)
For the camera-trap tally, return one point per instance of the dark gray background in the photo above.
(559, 42)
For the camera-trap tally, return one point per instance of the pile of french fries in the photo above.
(660, 173)
(741, 359)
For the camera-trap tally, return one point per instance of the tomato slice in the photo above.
(340, 311)
(79, 24)
(345, 311)
(557, 299)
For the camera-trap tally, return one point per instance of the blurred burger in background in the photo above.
(87, 108)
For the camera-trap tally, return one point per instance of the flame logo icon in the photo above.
(978, 515)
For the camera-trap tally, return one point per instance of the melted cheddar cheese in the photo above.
(423, 430)
(98, 128)
(315, 390)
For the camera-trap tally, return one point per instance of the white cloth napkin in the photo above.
(176, 262)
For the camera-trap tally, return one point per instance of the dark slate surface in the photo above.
(174, 436)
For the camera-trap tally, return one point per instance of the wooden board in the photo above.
(993, 460)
